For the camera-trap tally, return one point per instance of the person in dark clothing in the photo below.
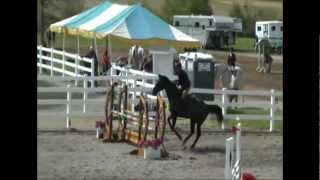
(92, 55)
(267, 62)
(231, 61)
(183, 81)
(105, 61)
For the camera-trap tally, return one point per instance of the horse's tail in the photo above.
(216, 110)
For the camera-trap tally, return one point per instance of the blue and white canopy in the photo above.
(132, 23)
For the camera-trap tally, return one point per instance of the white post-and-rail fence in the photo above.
(232, 170)
(59, 61)
(136, 86)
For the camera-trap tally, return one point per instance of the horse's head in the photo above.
(160, 85)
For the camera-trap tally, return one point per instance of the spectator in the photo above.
(231, 60)
(92, 55)
(267, 62)
(105, 61)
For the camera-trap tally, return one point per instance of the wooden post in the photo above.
(68, 106)
(85, 85)
(272, 108)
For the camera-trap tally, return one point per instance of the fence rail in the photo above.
(136, 90)
(47, 59)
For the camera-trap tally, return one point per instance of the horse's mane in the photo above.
(170, 83)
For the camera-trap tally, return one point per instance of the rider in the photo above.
(231, 61)
(183, 81)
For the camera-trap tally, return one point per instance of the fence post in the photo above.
(229, 158)
(68, 106)
(85, 85)
(272, 108)
(134, 95)
(40, 59)
(76, 70)
(223, 100)
(51, 61)
(238, 154)
(92, 72)
(111, 74)
(63, 63)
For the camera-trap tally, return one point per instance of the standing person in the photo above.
(231, 60)
(92, 55)
(267, 62)
(105, 61)
(183, 81)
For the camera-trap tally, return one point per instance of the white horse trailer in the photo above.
(271, 30)
(212, 31)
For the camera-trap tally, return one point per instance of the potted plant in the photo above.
(150, 148)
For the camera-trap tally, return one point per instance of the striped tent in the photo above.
(131, 23)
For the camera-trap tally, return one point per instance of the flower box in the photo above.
(151, 153)
(150, 149)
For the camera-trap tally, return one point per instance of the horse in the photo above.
(231, 81)
(136, 54)
(189, 107)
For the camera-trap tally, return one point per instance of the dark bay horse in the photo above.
(190, 107)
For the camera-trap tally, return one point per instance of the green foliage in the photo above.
(176, 7)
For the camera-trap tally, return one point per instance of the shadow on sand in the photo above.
(208, 149)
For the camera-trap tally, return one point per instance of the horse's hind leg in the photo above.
(173, 127)
(198, 135)
(191, 132)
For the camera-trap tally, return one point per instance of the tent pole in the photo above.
(96, 49)
(77, 59)
(109, 48)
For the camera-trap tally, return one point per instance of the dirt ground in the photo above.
(78, 155)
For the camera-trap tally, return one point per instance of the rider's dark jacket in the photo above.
(183, 80)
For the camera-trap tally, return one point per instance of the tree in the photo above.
(52, 11)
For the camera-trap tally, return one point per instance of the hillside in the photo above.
(220, 7)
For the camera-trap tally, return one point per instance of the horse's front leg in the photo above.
(172, 126)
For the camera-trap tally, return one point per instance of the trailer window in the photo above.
(210, 22)
(273, 28)
(177, 23)
(281, 28)
(259, 28)
(203, 27)
(197, 24)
